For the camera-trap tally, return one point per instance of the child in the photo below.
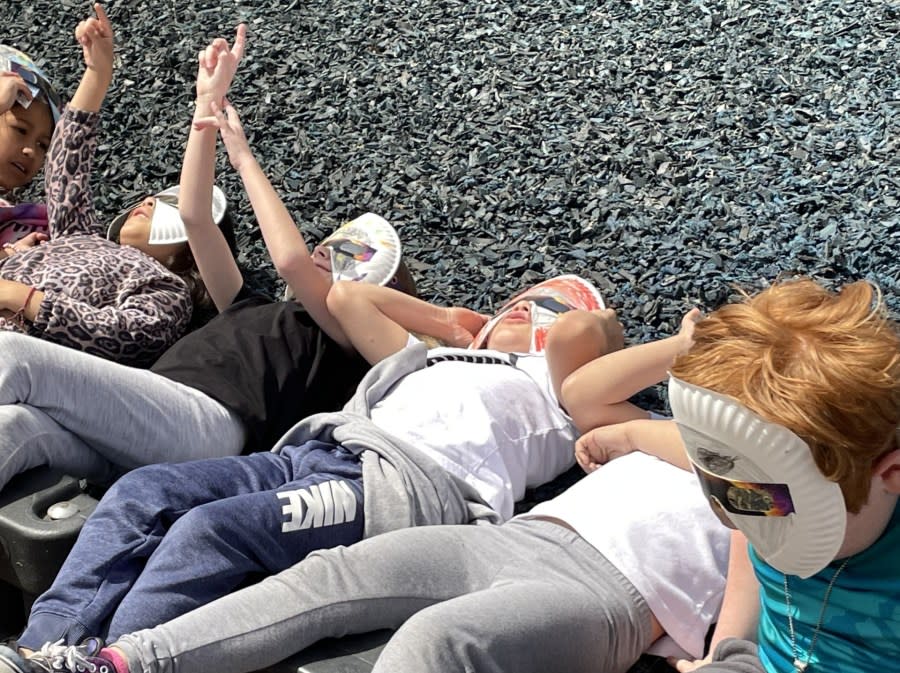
(236, 384)
(789, 406)
(429, 438)
(123, 302)
(28, 112)
(558, 588)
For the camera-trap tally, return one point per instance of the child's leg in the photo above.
(556, 605)
(127, 526)
(374, 584)
(129, 416)
(213, 548)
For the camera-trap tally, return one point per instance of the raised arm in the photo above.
(597, 393)
(217, 65)
(287, 248)
(70, 208)
(378, 320)
(95, 35)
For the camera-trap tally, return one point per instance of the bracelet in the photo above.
(18, 318)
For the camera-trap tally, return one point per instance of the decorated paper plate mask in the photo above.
(548, 299)
(366, 249)
(762, 479)
(166, 225)
(13, 60)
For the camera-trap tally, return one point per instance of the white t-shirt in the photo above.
(651, 520)
(498, 427)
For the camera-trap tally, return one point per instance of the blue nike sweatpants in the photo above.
(168, 538)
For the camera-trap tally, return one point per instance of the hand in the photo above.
(11, 85)
(95, 35)
(218, 64)
(686, 666)
(464, 324)
(229, 124)
(612, 328)
(601, 445)
(686, 333)
(32, 240)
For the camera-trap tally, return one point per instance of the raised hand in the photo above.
(95, 35)
(229, 124)
(601, 445)
(11, 85)
(217, 65)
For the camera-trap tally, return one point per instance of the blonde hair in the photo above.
(825, 365)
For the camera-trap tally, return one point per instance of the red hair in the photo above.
(825, 365)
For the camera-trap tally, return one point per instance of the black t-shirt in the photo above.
(268, 362)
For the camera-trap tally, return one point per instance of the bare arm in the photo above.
(657, 437)
(739, 617)
(596, 393)
(217, 65)
(287, 248)
(378, 320)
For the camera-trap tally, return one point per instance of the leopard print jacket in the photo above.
(99, 297)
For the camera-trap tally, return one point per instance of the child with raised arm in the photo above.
(557, 589)
(236, 384)
(448, 435)
(124, 300)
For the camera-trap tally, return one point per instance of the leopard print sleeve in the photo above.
(67, 176)
(150, 311)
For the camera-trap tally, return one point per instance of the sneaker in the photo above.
(59, 658)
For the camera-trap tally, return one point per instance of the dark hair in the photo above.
(403, 280)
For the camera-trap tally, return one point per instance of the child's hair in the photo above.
(824, 365)
(403, 280)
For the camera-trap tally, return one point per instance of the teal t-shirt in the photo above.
(861, 628)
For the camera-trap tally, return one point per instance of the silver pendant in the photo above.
(800, 666)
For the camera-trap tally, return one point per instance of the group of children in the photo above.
(397, 511)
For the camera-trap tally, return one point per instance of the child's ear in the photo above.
(887, 468)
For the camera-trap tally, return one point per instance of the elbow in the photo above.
(340, 298)
(290, 263)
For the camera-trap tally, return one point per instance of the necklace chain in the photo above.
(800, 666)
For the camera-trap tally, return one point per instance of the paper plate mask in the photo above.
(548, 299)
(764, 478)
(367, 249)
(13, 60)
(166, 226)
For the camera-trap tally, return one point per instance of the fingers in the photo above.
(103, 20)
(240, 41)
(22, 87)
(229, 112)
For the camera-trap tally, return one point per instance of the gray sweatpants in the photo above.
(93, 418)
(529, 595)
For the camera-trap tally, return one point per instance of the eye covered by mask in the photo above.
(366, 248)
(549, 299)
(762, 479)
(166, 225)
